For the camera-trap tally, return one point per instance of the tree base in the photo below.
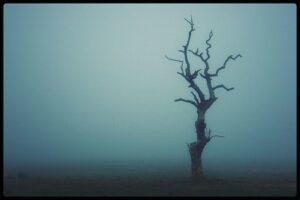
(198, 179)
(195, 149)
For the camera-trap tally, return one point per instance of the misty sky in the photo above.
(89, 82)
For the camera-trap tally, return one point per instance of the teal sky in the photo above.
(89, 82)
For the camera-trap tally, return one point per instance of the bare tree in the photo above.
(200, 102)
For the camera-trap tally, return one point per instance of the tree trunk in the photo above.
(196, 148)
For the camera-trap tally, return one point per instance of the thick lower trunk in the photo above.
(196, 148)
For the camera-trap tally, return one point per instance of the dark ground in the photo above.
(143, 182)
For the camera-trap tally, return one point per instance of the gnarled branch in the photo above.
(206, 74)
(200, 55)
(215, 136)
(222, 86)
(203, 76)
(185, 47)
(191, 76)
(209, 45)
(197, 89)
(181, 74)
(187, 101)
(195, 74)
(190, 22)
(224, 65)
(172, 59)
(209, 134)
(181, 66)
(188, 75)
(196, 99)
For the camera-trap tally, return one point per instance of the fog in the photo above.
(89, 83)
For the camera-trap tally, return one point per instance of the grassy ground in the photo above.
(125, 185)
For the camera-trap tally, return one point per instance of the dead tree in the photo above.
(200, 101)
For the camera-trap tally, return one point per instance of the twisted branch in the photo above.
(209, 45)
(200, 101)
(188, 75)
(206, 75)
(187, 101)
(222, 86)
(224, 65)
(200, 55)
